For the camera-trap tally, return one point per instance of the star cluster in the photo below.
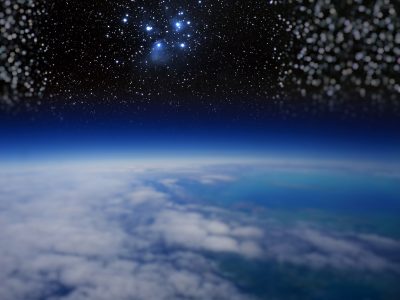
(165, 37)
(211, 53)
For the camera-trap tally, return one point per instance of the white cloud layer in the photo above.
(62, 237)
(82, 235)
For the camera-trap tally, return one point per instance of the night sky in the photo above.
(232, 66)
(178, 53)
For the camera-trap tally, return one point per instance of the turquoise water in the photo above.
(330, 200)
(359, 200)
(330, 191)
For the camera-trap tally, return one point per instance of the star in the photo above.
(178, 25)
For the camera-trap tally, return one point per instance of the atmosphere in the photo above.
(42, 136)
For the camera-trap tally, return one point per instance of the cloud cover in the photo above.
(79, 234)
(63, 236)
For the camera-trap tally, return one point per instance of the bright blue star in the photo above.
(125, 20)
(149, 28)
(182, 45)
(178, 25)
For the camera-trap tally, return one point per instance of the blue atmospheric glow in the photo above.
(212, 137)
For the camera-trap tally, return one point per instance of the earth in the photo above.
(200, 230)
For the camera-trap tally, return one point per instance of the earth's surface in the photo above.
(205, 231)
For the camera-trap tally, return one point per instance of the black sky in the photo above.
(241, 59)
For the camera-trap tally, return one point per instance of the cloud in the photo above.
(64, 237)
(145, 195)
(215, 178)
(194, 230)
(380, 241)
(81, 235)
(313, 247)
